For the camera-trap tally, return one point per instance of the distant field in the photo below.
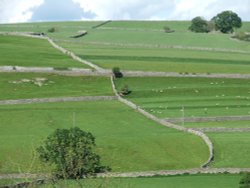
(226, 124)
(140, 46)
(231, 149)
(26, 85)
(126, 144)
(28, 52)
(200, 97)
(187, 181)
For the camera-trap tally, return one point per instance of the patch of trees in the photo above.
(225, 22)
(71, 152)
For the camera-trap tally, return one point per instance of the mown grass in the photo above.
(29, 52)
(13, 86)
(200, 97)
(125, 144)
(231, 149)
(160, 59)
(185, 181)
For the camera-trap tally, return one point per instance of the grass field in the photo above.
(28, 52)
(160, 59)
(26, 85)
(138, 46)
(231, 149)
(187, 181)
(126, 144)
(200, 97)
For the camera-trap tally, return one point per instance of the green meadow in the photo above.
(200, 97)
(185, 181)
(38, 85)
(125, 144)
(28, 52)
(231, 149)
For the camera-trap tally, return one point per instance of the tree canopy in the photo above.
(71, 152)
(199, 25)
(226, 21)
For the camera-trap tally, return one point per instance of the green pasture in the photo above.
(226, 124)
(160, 59)
(26, 85)
(185, 181)
(200, 97)
(231, 149)
(29, 52)
(125, 144)
(148, 25)
(182, 37)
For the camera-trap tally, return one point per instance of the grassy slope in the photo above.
(165, 97)
(144, 33)
(126, 144)
(231, 149)
(187, 181)
(24, 51)
(160, 59)
(56, 86)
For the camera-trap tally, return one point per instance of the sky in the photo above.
(14, 11)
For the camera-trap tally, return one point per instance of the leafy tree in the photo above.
(227, 21)
(199, 25)
(245, 181)
(71, 152)
(117, 72)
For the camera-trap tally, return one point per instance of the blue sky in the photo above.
(12, 11)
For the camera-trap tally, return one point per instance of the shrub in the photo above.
(168, 29)
(242, 36)
(52, 30)
(245, 181)
(71, 152)
(117, 73)
(125, 91)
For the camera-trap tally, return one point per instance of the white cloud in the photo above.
(22, 10)
(162, 9)
(13, 11)
(129, 9)
(189, 9)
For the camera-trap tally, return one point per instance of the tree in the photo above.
(117, 72)
(245, 181)
(71, 152)
(199, 25)
(227, 21)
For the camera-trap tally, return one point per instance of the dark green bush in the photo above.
(52, 30)
(117, 72)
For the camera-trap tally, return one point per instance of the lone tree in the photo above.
(71, 152)
(199, 25)
(227, 21)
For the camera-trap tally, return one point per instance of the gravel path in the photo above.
(208, 119)
(58, 99)
(222, 129)
(106, 72)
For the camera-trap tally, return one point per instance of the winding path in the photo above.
(99, 71)
(204, 137)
